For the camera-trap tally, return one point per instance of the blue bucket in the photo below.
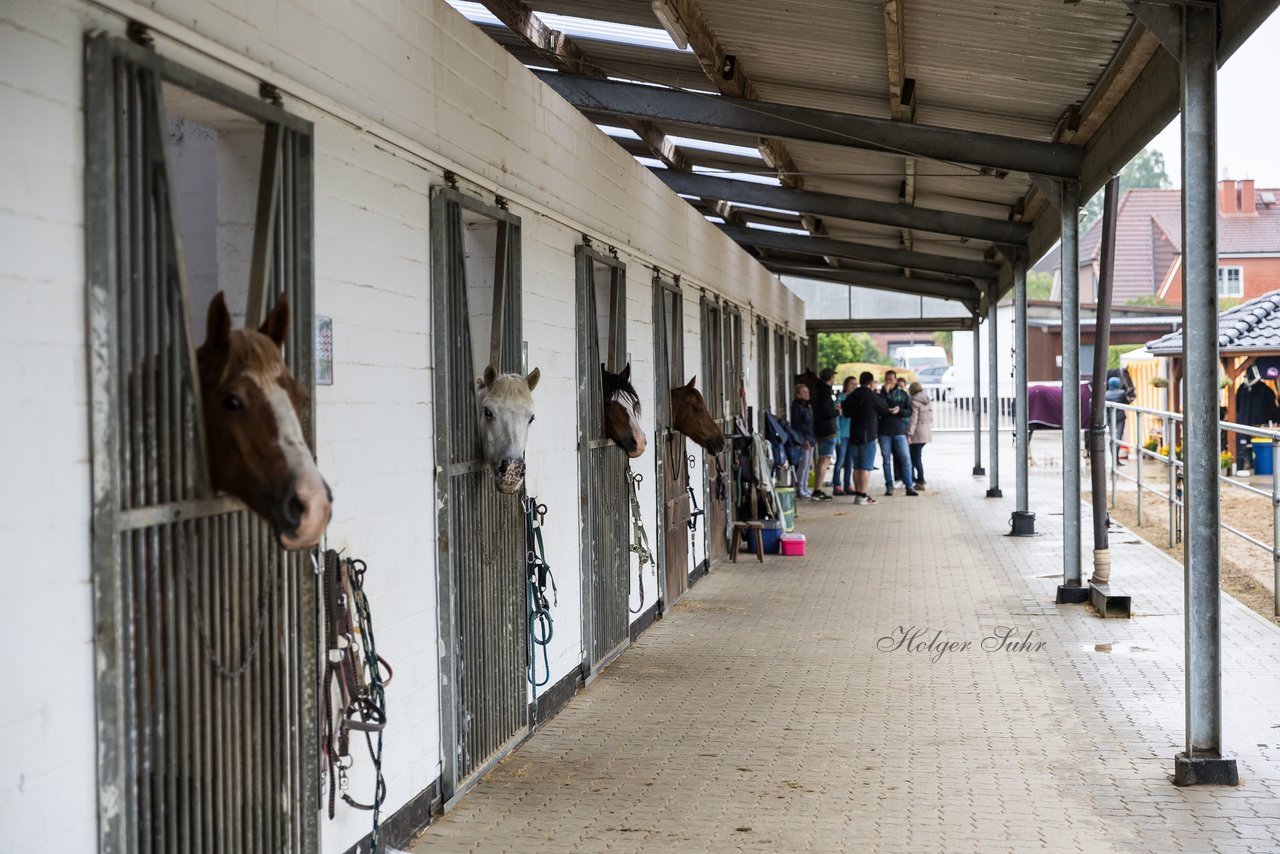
(1262, 461)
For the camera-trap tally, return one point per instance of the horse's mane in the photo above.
(614, 384)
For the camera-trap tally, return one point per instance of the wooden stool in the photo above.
(747, 529)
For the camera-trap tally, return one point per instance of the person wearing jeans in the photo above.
(893, 434)
(919, 430)
(802, 425)
(842, 477)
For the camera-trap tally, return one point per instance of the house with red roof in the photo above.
(1149, 245)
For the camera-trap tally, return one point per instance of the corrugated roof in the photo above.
(1250, 327)
(1004, 67)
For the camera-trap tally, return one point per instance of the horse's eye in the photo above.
(530, 419)
(488, 414)
(231, 403)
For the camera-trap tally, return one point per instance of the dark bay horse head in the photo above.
(505, 403)
(809, 378)
(256, 448)
(689, 415)
(622, 411)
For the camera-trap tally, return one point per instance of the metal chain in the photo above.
(202, 631)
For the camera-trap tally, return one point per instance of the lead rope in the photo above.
(538, 576)
(639, 539)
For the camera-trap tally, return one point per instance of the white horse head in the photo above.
(505, 403)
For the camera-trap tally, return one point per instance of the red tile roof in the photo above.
(1149, 237)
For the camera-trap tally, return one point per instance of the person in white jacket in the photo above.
(919, 429)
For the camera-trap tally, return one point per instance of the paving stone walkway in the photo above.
(775, 710)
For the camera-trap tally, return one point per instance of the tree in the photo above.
(943, 340)
(1145, 170)
(839, 348)
(1039, 285)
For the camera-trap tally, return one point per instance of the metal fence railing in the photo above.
(954, 412)
(1163, 426)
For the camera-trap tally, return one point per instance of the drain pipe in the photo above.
(1098, 409)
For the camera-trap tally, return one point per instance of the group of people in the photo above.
(847, 427)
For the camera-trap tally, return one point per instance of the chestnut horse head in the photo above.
(253, 437)
(622, 411)
(505, 404)
(689, 415)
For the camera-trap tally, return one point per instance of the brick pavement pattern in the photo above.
(761, 715)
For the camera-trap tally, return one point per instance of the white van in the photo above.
(917, 356)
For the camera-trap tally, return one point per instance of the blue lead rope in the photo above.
(538, 577)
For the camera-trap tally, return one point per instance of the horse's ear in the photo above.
(489, 376)
(626, 373)
(276, 326)
(217, 325)
(532, 379)
(692, 380)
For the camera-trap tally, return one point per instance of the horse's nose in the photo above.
(292, 510)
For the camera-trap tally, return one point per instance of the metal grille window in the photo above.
(782, 391)
(762, 371)
(206, 630)
(476, 321)
(606, 511)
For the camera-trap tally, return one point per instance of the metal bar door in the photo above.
(206, 630)
(673, 472)
(482, 606)
(605, 498)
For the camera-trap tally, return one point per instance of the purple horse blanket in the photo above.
(1044, 405)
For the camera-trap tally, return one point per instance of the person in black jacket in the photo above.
(893, 434)
(802, 425)
(824, 428)
(863, 407)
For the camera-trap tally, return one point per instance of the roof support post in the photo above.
(993, 392)
(978, 470)
(1071, 590)
(1023, 523)
(1203, 761)
(1098, 420)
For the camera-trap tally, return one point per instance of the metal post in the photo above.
(1071, 589)
(978, 470)
(1024, 522)
(1203, 761)
(1275, 526)
(1173, 491)
(1142, 452)
(1099, 415)
(993, 393)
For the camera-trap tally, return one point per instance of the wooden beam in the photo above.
(564, 53)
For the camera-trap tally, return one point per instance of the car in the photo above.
(938, 381)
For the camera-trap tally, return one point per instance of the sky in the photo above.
(1248, 114)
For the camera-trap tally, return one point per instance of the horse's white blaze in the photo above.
(307, 482)
(633, 422)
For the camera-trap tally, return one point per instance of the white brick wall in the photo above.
(425, 91)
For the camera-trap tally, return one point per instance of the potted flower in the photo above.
(1152, 443)
(1225, 459)
(1159, 382)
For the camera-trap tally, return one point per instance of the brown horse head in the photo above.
(622, 411)
(253, 437)
(506, 411)
(689, 415)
